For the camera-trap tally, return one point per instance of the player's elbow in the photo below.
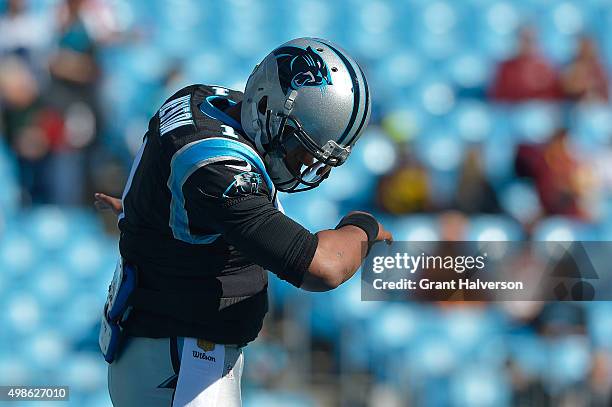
(324, 273)
(320, 280)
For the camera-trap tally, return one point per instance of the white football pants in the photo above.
(176, 372)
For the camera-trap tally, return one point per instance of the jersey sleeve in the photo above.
(231, 197)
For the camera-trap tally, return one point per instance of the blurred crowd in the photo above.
(49, 97)
(53, 122)
(80, 78)
(564, 180)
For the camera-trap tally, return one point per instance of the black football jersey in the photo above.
(200, 222)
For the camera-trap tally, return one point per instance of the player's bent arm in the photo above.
(337, 253)
(340, 252)
(338, 256)
(248, 220)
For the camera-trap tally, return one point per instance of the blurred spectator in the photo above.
(51, 129)
(527, 389)
(561, 319)
(526, 76)
(474, 192)
(75, 72)
(406, 188)
(563, 182)
(21, 119)
(600, 380)
(75, 60)
(23, 33)
(453, 226)
(585, 79)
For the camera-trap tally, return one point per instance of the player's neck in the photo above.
(234, 111)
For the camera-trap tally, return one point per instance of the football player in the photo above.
(200, 222)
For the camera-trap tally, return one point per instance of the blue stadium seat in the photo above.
(403, 120)
(472, 120)
(437, 95)
(467, 329)
(592, 127)
(568, 360)
(49, 227)
(146, 63)
(347, 302)
(352, 182)
(499, 155)
(480, 386)
(520, 199)
(9, 199)
(375, 152)
(323, 323)
(46, 349)
(52, 284)
(18, 254)
(315, 210)
(528, 352)
(440, 17)
(432, 356)
(277, 398)
(600, 323)
(399, 70)
(494, 228)
(16, 368)
(502, 117)
(23, 312)
(471, 69)
(82, 312)
(558, 228)
(4, 286)
(559, 26)
(392, 327)
(208, 65)
(494, 25)
(266, 359)
(85, 257)
(85, 372)
(535, 122)
(416, 228)
(440, 151)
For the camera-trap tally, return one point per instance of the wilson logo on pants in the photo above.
(202, 355)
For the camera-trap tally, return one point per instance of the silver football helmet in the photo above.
(306, 94)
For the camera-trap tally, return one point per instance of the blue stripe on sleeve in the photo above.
(196, 155)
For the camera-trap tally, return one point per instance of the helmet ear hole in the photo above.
(262, 105)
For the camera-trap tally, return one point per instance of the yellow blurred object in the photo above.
(400, 125)
(404, 191)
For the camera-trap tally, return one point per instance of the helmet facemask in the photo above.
(290, 144)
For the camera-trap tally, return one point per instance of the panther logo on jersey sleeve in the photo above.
(245, 183)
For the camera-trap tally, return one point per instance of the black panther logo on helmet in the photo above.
(299, 67)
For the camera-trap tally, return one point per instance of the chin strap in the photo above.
(257, 126)
(265, 142)
(274, 142)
